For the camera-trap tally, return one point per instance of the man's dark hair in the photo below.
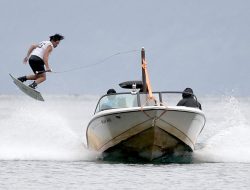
(56, 37)
(188, 92)
(111, 91)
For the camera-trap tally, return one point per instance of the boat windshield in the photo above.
(128, 100)
(115, 101)
(124, 100)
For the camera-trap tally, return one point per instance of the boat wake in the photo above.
(46, 131)
(231, 142)
(37, 132)
(231, 145)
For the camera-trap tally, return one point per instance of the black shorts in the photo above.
(36, 63)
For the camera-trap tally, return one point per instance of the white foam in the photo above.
(55, 129)
(231, 141)
(231, 145)
(39, 131)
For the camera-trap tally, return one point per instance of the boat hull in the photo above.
(148, 133)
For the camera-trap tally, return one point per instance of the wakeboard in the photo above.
(27, 90)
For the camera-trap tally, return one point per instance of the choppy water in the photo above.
(42, 147)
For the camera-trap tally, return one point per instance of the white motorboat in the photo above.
(138, 126)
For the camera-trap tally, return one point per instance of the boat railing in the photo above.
(139, 99)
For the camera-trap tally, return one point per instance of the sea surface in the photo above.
(42, 146)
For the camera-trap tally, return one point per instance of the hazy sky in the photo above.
(203, 44)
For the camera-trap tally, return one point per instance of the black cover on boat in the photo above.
(128, 84)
